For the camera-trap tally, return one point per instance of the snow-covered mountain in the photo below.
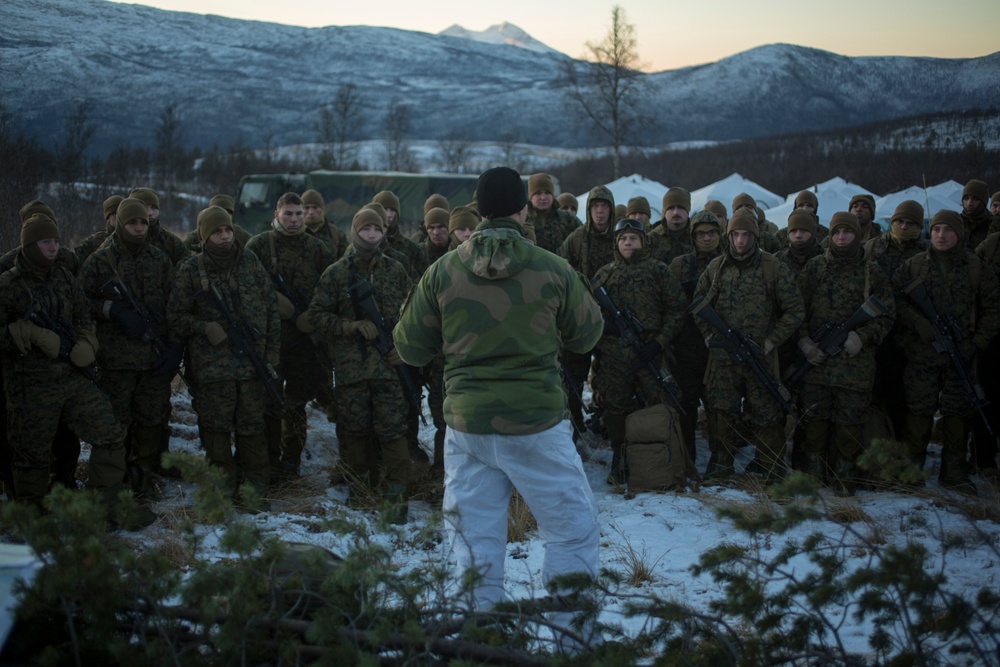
(263, 83)
(500, 33)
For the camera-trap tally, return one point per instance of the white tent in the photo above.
(727, 189)
(831, 200)
(933, 199)
(627, 187)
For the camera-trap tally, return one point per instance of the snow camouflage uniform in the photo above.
(477, 305)
(690, 356)
(985, 445)
(930, 379)
(551, 227)
(741, 295)
(889, 253)
(231, 396)
(837, 393)
(300, 259)
(40, 391)
(141, 399)
(648, 288)
(587, 250)
(369, 392)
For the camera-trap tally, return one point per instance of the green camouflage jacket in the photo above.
(586, 249)
(248, 294)
(977, 228)
(146, 275)
(87, 246)
(407, 253)
(168, 242)
(745, 301)
(833, 289)
(889, 254)
(666, 245)
(500, 309)
(331, 309)
(331, 236)
(551, 227)
(794, 263)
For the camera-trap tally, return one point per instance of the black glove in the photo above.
(169, 360)
(133, 325)
(649, 351)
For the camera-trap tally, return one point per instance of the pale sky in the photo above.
(670, 34)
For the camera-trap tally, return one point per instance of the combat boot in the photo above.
(954, 448)
(121, 517)
(615, 423)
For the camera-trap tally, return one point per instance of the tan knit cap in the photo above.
(436, 216)
(209, 220)
(380, 211)
(718, 208)
(800, 218)
(977, 189)
(909, 210)
(434, 201)
(463, 217)
(367, 216)
(864, 199)
(147, 195)
(745, 219)
(677, 197)
(806, 197)
(387, 199)
(110, 205)
(225, 201)
(539, 182)
(130, 209)
(35, 206)
(312, 198)
(38, 226)
(845, 219)
(637, 205)
(950, 218)
(743, 199)
(567, 199)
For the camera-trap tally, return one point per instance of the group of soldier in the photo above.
(93, 338)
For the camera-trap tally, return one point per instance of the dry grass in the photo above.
(520, 522)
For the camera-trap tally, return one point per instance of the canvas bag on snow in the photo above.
(655, 455)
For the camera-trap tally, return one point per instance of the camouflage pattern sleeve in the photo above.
(988, 322)
(793, 310)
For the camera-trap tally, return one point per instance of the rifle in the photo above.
(831, 336)
(947, 336)
(293, 295)
(363, 298)
(117, 290)
(67, 338)
(742, 349)
(630, 335)
(243, 335)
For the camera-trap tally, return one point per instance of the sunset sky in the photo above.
(670, 34)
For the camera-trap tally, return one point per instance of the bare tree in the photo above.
(338, 125)
(169, 154)
(611, 89)
(398, 156)
(455, 150)
(79, 130)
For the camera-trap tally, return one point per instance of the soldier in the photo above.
(689, 352)
(134, 373)
(551, 224)
(94, 241)
(805, 200)
(671, 234)
(889, 251)
(192, 241)
(961, 287)
(587, 249)
(803, 242)
(638, 209)
(166, 241)
(767, 241)
(295, 261)
(863, 206)
(368, 387)
(719, 209)
(984, 445)
(438, 239)
(975, 216)
(995, 207)
(43, 377)
(434, 201)
(568, 203)
(515, 434)
(754, 293)
(319, 227)
(231, 395)
(462, 221)
(836, 394)
(66, 257)
(646, 286)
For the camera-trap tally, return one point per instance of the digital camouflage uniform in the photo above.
(889, 253)
(371, 397)
(300, 260)
(141, 399)
(690, 356)
(984, 444)
(645, 287)
(930, 379)
(41, 391)
(168, 242)
(551, 227)
(231, 396)
(745, 301)
(87, 246)
(836, 394)
(334, 239)
(587, 250)
(666, 245)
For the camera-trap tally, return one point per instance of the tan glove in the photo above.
(810, 350)
(303, 324)
(393, 357)
(853, 344)
(82, 353)
(43, 339)
(285, 307)
(768, 346)
(215, 333)
(364, 328)
(20, 334)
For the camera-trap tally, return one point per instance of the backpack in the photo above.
(655, 455)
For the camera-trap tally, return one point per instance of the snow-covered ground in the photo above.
(665, 532)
